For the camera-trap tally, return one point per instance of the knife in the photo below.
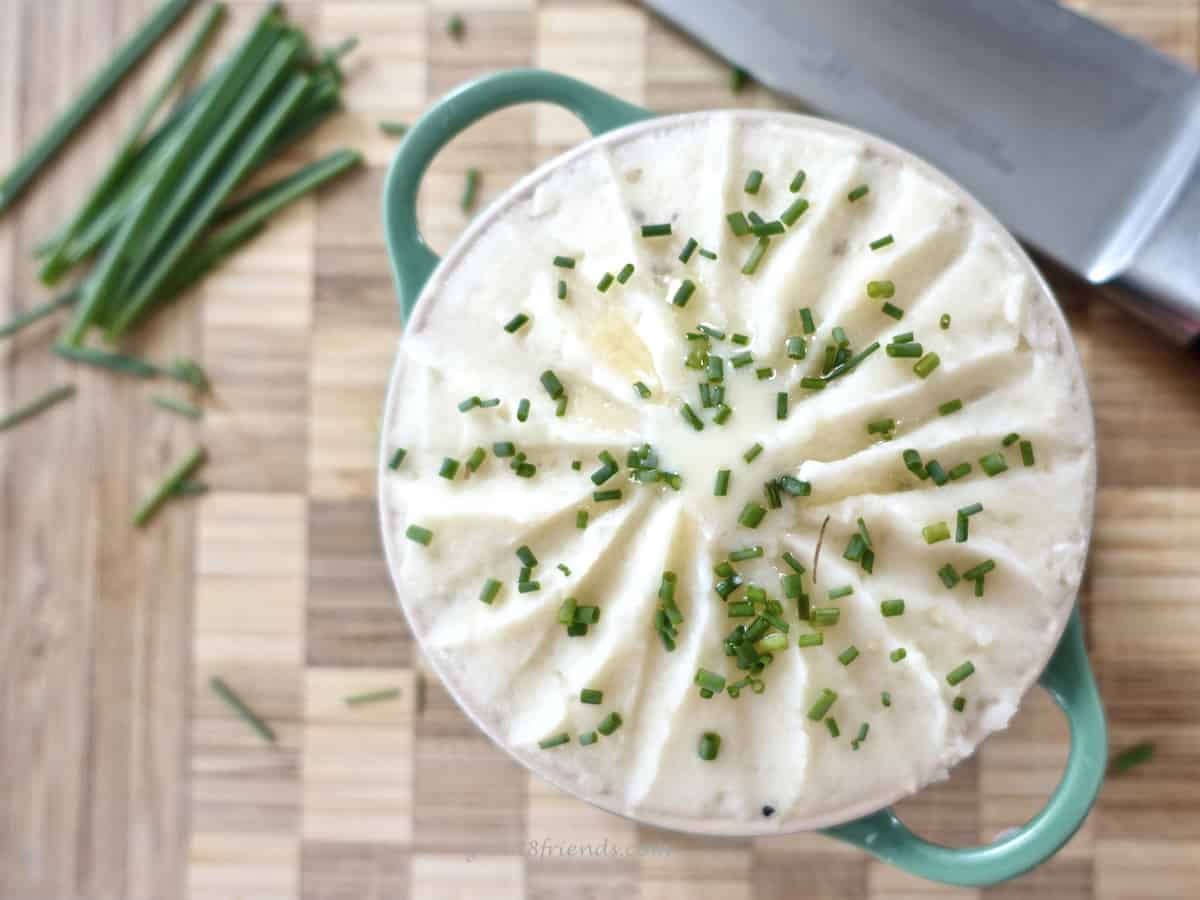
(1084, 142)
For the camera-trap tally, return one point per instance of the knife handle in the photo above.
(1161, 283)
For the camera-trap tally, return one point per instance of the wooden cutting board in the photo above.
(123, 776)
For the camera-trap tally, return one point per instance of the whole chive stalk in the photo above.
(249, 716)
(182, 407)
(367, 697)
(34, 407)
(101, 85)
(470, 191)
(192, 489)
(177, 476)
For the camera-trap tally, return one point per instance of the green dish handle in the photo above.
(1068, 679)
(412, 260)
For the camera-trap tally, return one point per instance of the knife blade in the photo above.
(1084, 142)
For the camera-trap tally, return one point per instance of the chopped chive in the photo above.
(470, 190)
(456, 27)
(751, 515)
(576, 465)
(746, 553)
(38, 405)
(556, 741)
(980, 570)
(756, 256)
(367, 697)
(609, 724)
(904, 351)
(796, 347)
(971, 510)
(723, 569)
(935, 532)
(662, 230)
(707, 254)
(885, 698)
(958, 471)
(993, 464)
(949, 577)
(792, 585)
(825, 616)
(960, 674)
(642, 390)
(393, 128)
(795, 210)
(797, 181)
(812, 384)
(469, 404)
(832, 725)
(755, 219)
(684, 293)
(926, 364)
(766, 229)
(855, 549)
(738, 224)
(721, 487)
(588, 738)
(858, 193)
(564, 262)
(523, 409)
(781, 405)
(741, 339)
(753, 181)
(944, 322)
(422, 536)
(560, 408)
(794, 487)
(1010, 439)
(552, 385)
(862, 735)
(772, 643)
(249, 716)
(177, 476)
(709, 746)
(741, 360)
(821, 706)
(881, 290)
(936, 472)
(475, 460)
(738, 78)
(504, 449)
(710, 680)
(880, 243)
(839, 336)
(844, 590)
(771, 488)
(806, 320)
(562, 290)
(752, 454)
(711, 331)
(811, 639)
(868, 561)
(525, 555)
(950, 406)
(890, 608)
(564, 568)
(589, 695)
(689, 416)
(898, 654)
(606, 496)
(577, 629)
(723, 414)
(881, 426)
(528, 587)
(581, 519)
(1136, 755)
(449, 468)
(895, 312)
(397, 458)
(979, 586)
(1027, 453)
(525, 470)
(566, 611)
(491, 588)
(489, 404)
(625, 274)
(912, 462)
(794, 563)
(904, 338)
(764, 374)
(605, 282)
(960, 703)
(714, 369)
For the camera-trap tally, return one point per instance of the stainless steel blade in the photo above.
(1086, 143)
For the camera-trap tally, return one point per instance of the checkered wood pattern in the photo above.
(124, 777)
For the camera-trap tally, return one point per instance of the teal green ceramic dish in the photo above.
(1066, 676)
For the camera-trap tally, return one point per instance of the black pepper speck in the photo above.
(768, 811)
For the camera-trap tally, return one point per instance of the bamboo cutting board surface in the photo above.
(124, 777)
